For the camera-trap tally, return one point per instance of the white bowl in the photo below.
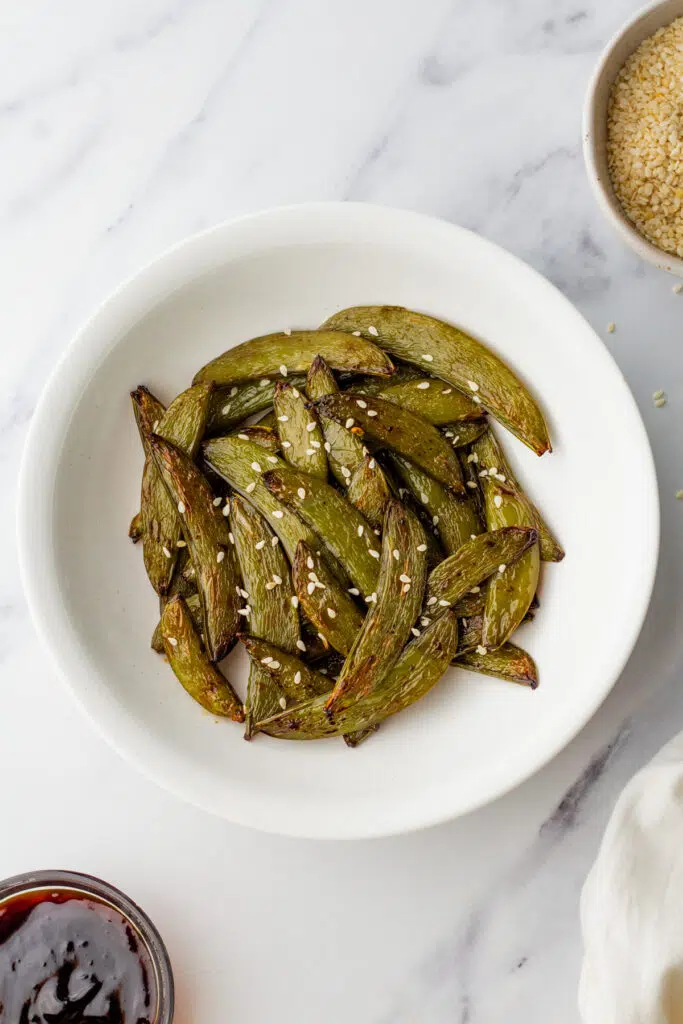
(643, 24)
(473, 738)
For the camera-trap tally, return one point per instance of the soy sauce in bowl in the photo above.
(74, 950)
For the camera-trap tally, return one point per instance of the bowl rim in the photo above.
(140, 292)
(601, 185)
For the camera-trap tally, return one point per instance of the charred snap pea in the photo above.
(374, 385)
(418, 669)
(194, 608)
(455, 519)
(136, 528)
(390, 426)
(387, 626)
(301, 436)
(486, 555)
(369, 491)
(210, 544)
(465, 432)
(187, 658)
(457, 358)
(433, 400)
(325, 602)
(268, 610)
(274, 354)
(346, 532)
(231, 405)
(182, 425)
(294, 680)
(345, 451)
(508, 662)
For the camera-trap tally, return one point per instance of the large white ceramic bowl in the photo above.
(473, 738)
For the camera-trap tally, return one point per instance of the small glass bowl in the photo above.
(103, 892)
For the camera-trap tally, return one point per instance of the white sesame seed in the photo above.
(446, 391)
(243, 593)
(264, 382)
(277, 580)
(217, 501)
(475, 590)
(472, 385)
(405, 588)
(483, 472)
(181, 544)
(301, 645)
(435, 520)
(283, 370)
(226, 408)
(421, 547)
(327, 446)
(361, 403)
(376, 533)
(396, 554)
(226, 509)
(444, 604)
(449, 434)
(278, 513)
(231, 538)
(360, 530)
(493, 471)
(345, 472)
(426, 355)
(611, 327)
(266, 661)
(272, 458)
(502, 567)
(250, 487)
(275, 664)
(356, 592)
(423, 385)
(481, 649)
(297, 677)
(270, 585)
(321, 636)
(220, 556)
(373, 331)
(356, 334)
(166, 552)
(373, 597)
(172, 641)
(331, 612)
(286, 444)
(372, 412)
(233, 392)
(283, 703)
(283, 418)
(321, 586)
(310, 451)
(311, 426)
(301, 492)
(243, 437)
(309, 562)
(473, 457)
(294, 601)
(371, 464)
(244, 611)
(349, 423)
(274, 541)
(472, 485)
(456, 439)
(431, 601)
(497, 501)
(154, 426)
(477, 399)
(287, 331)
(256, 467)
(296, 392)
(423, 498)
(315, 444)
(310, 588)
(415, 632)
(404, 578)
(375, 554)
(425, 620)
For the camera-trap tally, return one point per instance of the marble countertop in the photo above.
(126, 126)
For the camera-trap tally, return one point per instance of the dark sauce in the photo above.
(67, 958)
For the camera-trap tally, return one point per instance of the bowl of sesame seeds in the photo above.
(633, 134)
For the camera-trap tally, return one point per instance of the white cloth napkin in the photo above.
(632, 903)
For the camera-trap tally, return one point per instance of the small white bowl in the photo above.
(643, 24)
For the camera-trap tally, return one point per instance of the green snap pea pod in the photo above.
(490, 455)
(488, 554)
(196, 673)
(455, 519)
(457, 358)
(507, 662)
(136, 528)
(267, 421)
(369, 491)
(345, 451)
(387, 625)
(194, 607)
(373, 385)
(464, 432)
(390, 426)
(231, 405)
(509, 594)
(262, 436)
(418, 669)
(266, 356)
(301, 436)
(182, 425)
(241, 463)
(433, 400)
(294, 680)
(470, 634)
(346, 532)
(268, 611)
(325, 602)
(148, 412)
(317, 649)
(210, 543)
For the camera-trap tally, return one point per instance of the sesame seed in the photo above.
(373, 331)
(320, 585)
(611, 327)
(172, 641)
(277, 580)
(475, 590)
(493, 471)
(375, 554)
(272, 459)
(301, 492)
(372, 412)
(166, 552)
(481, 649)
(315, 444)
(286, 444)
(278, 513)
(446, 391)
(371, 464)
(423, 498)
(181, 544)
(310, 451)
(275, 664)
(423, 385)
(345, 472)
(243, 593)
(256, 467)
(396, 554)
(321, 636)
(250, 487)
(373, 597)
(483, 472)
(301, 645)
(415, 632)
(449, 434)
(431, 601)
(477, 399)
(266, 661)
(376, 533)
(405, 588)
(472, 485)
(311, 426)
(331, 612)
(472, 385)
(327, 446)
(231, 538)
(356, 592)
(356, 334)
(349, 423)
(294, 601)
(260, 544)
(270, 585)
(244, 611)
(233, 392)
(283, 703)
(217, 501)
(425, 620)
(243, 437)
(444, 604)
(310, 588)
(498, 501)
(473, 457)
(435, 520)
(220, 556)
(360, 530)
(283, 418)
(296, 392)
(287, 331)
(297, 677)
(502, 567)
(264, 382)
(404, 578)
(361, 403)
(283, 370)
(226, 509)
(226, 408)
(309, 562)
(274, 541)
(456, 439)
(421, 547)
(426, 355)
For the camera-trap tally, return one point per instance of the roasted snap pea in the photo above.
(205, 530)
(455, 519)
(300, 434)
(324, 601)
(194, 607)
(266, 356)
(369, 491)
(464, 432)
(457, 358)
(373, 385)
(231, 405)
(182, 425)
(508, 662)
(294, 680)
(347, 533)
(136, 528)
(490, 455)
(345, 451)
(418, 669)
(187, 658)
(488, 554)
(391, 616)
(433, 400)
(509, 594)
(268, 610)
(148, 412)
(390, 426)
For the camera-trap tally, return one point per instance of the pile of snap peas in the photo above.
(336, 501)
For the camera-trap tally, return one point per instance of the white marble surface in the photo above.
(126, 125)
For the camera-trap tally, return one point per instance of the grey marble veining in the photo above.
(125, 126)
